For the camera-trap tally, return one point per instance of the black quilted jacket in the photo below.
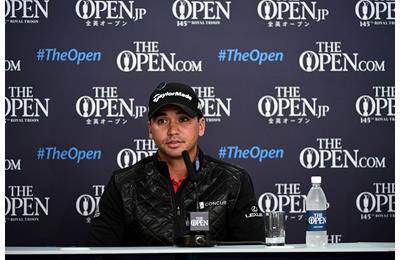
(139, 206)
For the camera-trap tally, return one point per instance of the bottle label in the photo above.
(316, 220)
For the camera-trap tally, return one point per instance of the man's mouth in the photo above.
(174, 143)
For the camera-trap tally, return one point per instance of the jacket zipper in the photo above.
(179, 218)
(176, 210)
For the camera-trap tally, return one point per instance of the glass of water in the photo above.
(275, 228)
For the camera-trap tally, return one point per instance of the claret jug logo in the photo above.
(23, 107)
(108, 12)
(146, 56)
(331, 57)
(378, 203)
(284, 13)
(142, 148)
(330, 153)
(375, 12)
(23, 206)
(288, 106)
(190, 12)
(378, 107)
(26, 11)
(87, 205)
(288, 198)
(106, 107)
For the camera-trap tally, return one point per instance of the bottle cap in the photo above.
(316, 179)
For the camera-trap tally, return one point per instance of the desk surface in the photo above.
(295, 248)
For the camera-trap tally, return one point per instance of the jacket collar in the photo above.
(197, 165)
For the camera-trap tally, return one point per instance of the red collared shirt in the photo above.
(176, 184)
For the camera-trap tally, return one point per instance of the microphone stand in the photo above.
(195, 238)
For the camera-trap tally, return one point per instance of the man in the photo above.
(149, 203)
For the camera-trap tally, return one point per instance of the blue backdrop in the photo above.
(291, 89)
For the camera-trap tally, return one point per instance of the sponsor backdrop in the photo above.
(290, 89)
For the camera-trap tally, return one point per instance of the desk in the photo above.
(363, 251)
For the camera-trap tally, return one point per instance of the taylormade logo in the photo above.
(171, 94)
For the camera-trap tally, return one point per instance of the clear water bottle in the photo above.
(316, 205)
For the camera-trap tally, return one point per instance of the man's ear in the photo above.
(202, 126)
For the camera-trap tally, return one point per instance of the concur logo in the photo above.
(147, 57)
(331, 154)
(330, 57)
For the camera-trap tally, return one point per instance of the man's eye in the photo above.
(184, 119)
(161, 121)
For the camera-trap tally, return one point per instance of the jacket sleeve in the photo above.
(107, 227)
(246, 222)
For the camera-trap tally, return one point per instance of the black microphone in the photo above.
(199, 221)
(189, 167)
(188, 163)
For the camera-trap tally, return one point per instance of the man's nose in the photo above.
(173, 128)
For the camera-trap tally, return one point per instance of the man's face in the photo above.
(174, 131)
